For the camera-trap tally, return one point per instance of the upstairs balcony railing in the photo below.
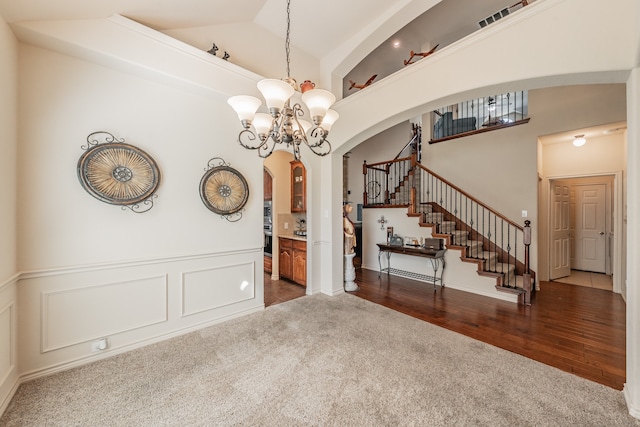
(479, 115)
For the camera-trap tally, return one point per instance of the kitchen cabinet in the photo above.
(293, 260)
(286, 258)
(268, 185)
(300, 262)
(267, 264)
(298, 187)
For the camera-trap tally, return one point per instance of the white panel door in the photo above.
(591, 233)
(560, 266)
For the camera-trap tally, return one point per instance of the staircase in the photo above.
(497, 246)
(488, 259)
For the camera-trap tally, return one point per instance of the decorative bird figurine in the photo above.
(353, 84)
(422, 54)
(226, 55)
(213, 50)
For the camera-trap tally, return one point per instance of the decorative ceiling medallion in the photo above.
(118, 173)
(224, 190)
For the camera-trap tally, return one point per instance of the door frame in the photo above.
(617, 217)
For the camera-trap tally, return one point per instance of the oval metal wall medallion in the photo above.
(118, 173)
(224, 190)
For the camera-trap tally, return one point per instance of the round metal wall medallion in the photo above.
(224, 190)
(118, 173)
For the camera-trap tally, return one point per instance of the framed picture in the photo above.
(389, 234)
(395, 240)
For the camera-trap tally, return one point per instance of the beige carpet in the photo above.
(330, 361)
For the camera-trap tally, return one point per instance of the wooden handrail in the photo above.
(445, 197)
(387, 162)
(458, 189)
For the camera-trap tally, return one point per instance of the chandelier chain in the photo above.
(283, 124)
(287, 41)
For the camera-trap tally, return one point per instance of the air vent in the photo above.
(493, 18)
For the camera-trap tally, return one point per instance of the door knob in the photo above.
(601, 233)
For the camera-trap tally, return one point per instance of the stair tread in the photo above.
(488, 261)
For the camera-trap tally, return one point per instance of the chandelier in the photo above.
(283, 123)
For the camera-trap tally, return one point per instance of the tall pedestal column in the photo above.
(349, 273)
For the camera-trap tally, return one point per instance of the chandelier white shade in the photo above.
(329, 119)
(275, 92)
(283, 123)
(245, 106)
(318, 102)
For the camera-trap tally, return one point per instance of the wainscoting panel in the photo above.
(78, 315)
(64, 314)
(216, 287)
(7, 341)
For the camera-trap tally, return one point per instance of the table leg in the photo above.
(436, 265)
(388, 254)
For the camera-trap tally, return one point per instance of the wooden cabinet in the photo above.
(293, 260)
(298, 187)
(268, 186)
(300, 262)
(267, 264)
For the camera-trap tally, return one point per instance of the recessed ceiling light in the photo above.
(396, 44)
(579, 140)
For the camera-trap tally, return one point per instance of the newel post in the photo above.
(387, 200)
(526, 239)
(364, 173)
(412, 193)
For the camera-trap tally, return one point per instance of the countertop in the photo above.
(293, 237)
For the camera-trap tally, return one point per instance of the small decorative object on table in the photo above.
(389, 234)
(411, 241)
(396, 240)
(434, 244)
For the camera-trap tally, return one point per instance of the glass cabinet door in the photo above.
(298, 187)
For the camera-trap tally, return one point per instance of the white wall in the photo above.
(8, 138)
(543, 61)
(91, 270)
(252, 47)
(61, 223)
(8, 218)
(600, 155)
(632, 386)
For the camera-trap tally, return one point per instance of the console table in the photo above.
(435, 257)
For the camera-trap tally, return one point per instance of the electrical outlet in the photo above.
(101, 344)
(286, 225)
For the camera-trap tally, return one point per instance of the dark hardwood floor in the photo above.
(577, 329)
(277, 291)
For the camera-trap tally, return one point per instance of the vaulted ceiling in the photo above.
(334, 25)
